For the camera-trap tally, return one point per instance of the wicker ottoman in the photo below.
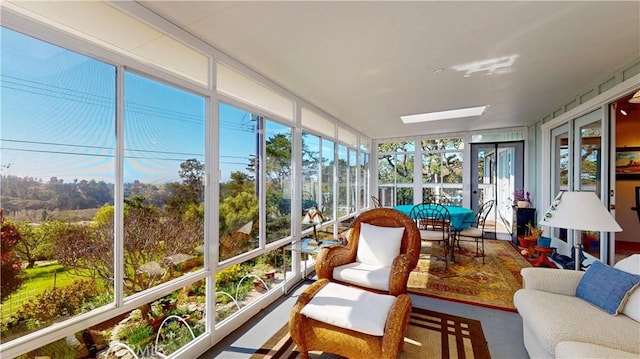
(313, 334)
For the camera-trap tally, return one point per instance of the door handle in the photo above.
(637, 207)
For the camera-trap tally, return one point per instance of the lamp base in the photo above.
(577, 256)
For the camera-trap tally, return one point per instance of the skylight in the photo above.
(444, 115)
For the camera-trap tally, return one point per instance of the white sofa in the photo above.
(557, 324)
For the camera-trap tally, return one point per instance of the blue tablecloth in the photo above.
(461, 217)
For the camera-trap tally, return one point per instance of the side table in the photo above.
(543, 260)
(308, 247)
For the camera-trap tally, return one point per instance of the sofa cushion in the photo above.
(572, 350)
(363, 275)
(379, 246)
(607, 287)
(631, 264)
(350, 308)
(554, 318)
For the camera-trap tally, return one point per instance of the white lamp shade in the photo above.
(579, 210)
(313, 216)
(635, 98)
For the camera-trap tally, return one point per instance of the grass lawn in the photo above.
(41, 277)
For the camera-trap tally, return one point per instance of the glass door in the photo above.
(496, 172)
(560, 174)
(588, 144)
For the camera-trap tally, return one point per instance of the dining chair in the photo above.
(476, 230)
(444, 200)
(434, 223)
(376, 202)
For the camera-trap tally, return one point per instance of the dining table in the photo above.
(461, 217)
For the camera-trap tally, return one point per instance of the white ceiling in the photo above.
(367, 63)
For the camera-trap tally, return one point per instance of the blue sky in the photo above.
(58, 113)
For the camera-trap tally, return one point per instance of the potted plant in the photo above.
(522, 198)
(536, 233)
(530, 240)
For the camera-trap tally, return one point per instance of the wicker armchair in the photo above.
(332, 257)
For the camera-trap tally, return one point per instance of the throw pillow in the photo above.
(631, 264)
(607, 287)
(378, 246)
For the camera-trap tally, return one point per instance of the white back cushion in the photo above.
(631, 264)
(378, 246)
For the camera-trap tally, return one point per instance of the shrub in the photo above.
(54, 303)
(230, 275)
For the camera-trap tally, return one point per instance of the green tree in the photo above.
(191, 190)
(10, 267)
(236, 212)
(35, 244)
(239, 182)
(191, 172)
(278, 166)
(151, 235)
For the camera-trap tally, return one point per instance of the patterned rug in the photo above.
(468, 280)
(430, 335)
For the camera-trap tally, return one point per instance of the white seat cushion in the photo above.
(350, 308)
(363, 275)
(471, 232)
(429, 235)
(378, 245)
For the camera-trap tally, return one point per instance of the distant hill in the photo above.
(23, 195)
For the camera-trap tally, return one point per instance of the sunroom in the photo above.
(165, 157)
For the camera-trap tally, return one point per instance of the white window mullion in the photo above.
(417, 172)
(118, 201)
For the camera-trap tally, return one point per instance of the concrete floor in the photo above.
(502, 329)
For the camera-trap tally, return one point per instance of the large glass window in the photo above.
(343, 180)
(363, 185)
(58, 188)
(352, 179)
(328, 168)
(58, 169)
(310, 171)
(317, 177)
(395, 173)
(66, 157)
(164, 150)
(278, 180)
(238, 144)
(254, 151)
(442, 170)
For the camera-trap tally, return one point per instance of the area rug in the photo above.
(467, 280)
(429, 335)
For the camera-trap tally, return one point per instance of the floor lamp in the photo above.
(582, 211)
